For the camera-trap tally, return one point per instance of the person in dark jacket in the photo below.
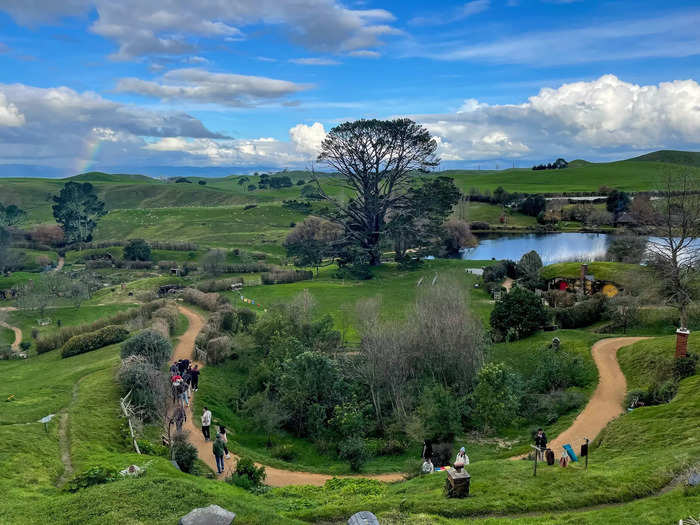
(218, 449)
(540, 443)
(194, 378)
(427, 450)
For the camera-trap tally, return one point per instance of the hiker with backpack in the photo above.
(206, 422)
(194, 378)
(224, 438)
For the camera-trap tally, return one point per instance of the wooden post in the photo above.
(125, 411)
(537, 450)
(588, 452)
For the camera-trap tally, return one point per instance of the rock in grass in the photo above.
(363, 518)
(211, 515)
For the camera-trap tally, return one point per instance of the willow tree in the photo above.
(375, 159)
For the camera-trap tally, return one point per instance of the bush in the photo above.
(497, 395)
(153, 449)
(247, 475)
(518, 314)
(284, 452)
(479, 225)
(59, 337)
(183, 452)
(218, 349)
(252, 267)
(148, 387)
(286, 276)
(92, 476)
(80, 344)
(685, 366)
(207, 301)
(169, 314)
(137, 265)
(218, 285)
(137, 250)
(354, 450)
(355, 272)
(161, 326)
(439, 413)
(581, 314)
(149, 344)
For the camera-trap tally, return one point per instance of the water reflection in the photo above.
(552, 247)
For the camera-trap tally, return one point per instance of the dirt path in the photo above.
(64, 437)
(18, 335)
(508, 283)
(59, 266)
(607, 400)
(275, 477)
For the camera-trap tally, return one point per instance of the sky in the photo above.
(143, 86)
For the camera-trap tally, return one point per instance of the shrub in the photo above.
(153, 449)
(148, 387)
(169, 314)
(581, 314)
(685, 366)
(152, 345)
(59, 337)
(479, 225)
(207, 301)
(183, 452)
(518, 314)
(285, 452)
(218, 285)
(160, 326)
(92, 476)
(137, 265)
(80, 344)
(252, 267)
(247, 475)
(286, 276)
(354, 450)
(137, 250)
(218, 349)
(497, 395)
(439, 413)
(167, 265)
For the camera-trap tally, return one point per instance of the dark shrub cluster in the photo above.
(80, 344)
(218, 285)
(155, 348)
(581, 314)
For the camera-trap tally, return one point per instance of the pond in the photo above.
(552, 247)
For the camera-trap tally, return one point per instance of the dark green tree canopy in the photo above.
(11, 214)
(77, 210)
(376, 159)
(137, 250)
(518, 314)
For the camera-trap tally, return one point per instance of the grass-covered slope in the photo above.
(684, 158)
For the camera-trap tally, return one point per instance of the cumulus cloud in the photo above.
(146, 28)
(58, 126)
(579, 119)
(9, 114)
(307, 139)
(204, 86)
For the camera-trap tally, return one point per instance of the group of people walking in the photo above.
(184, 378)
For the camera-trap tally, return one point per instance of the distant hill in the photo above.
(98, 176)
(684, 158)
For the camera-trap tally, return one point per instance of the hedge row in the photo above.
(208, 301)
(581, 314)
(286, 276)
(80, 344)
(155, 245)
(218, 285)
(251, 267)
(59, 337)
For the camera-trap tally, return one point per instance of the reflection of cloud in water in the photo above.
(552, 248)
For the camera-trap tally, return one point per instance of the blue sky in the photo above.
(123, 85)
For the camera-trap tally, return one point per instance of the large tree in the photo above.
(77, 209)
(376, 159)
(11, 214)
(675, 250)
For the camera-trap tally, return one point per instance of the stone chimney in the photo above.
(682, 342)
(584, 271)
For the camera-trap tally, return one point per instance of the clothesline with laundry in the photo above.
(252, 301)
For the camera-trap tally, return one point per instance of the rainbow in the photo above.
(86, 162)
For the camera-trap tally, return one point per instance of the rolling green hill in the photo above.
(684, 158)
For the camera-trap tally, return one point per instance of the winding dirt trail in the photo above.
(607, 400)
(18, 335)
(275, 477)
(508, 283)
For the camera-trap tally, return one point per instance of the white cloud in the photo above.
(9, 114)
(314, 61)
(465, 11)
(577, 119)
(672, 35)
(206, 87)
(307, 139)
(147, 28)
(365, 53)
(196, 60)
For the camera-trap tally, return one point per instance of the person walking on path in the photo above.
(180, 416)
(194, 378)
(218, 448)
(224, 438)
(540, 443)
(206, 421)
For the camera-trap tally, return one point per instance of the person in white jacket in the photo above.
(206, 421)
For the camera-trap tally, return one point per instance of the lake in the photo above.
(552, 247)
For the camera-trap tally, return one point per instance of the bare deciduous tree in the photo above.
(675, 249)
